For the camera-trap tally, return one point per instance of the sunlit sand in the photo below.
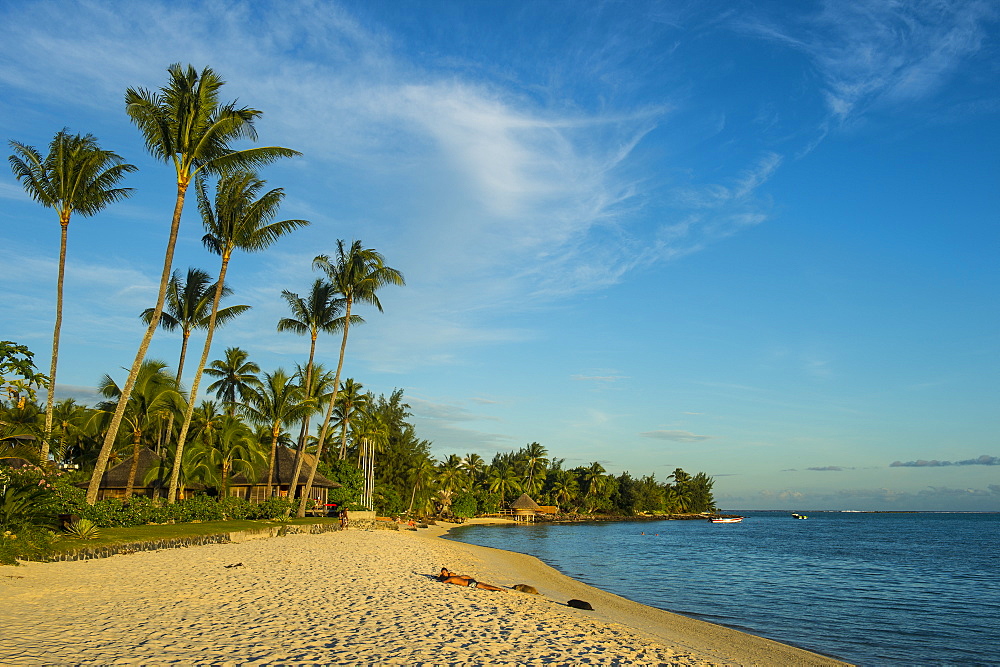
(344, 597)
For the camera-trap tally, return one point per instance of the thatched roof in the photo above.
(117, 476)
(284, 468)
(524, 503)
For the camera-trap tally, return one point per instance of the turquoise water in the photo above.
(872, 589)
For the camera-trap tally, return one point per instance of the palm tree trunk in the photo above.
(329, 413)
(50, 401)
(343, 437)
(275, 430)
(130, 486)
(189, 411)
(168, 260)
(301, 450)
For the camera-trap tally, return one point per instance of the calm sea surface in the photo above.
(872, 589)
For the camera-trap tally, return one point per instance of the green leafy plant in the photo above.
(83, 529)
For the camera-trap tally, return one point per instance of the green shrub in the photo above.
(199, 508)
(234, 507)
(30, 543)
(83, 529)
(464, 506)
(272, 508)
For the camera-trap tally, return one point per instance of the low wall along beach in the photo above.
(355, 596)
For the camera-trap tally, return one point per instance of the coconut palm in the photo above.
(184, 124)
(236, 377)
(188, 306)
(318, 312)
(474, 467)
(533, 459)
(76, 176)
(501, 478)
(357, 274)
(278, 402)
(235, 450)
(237, 220)
(154, 390)
(371, 432)
(349, 399)
(564, 487)
(422, 473)
(451, 478)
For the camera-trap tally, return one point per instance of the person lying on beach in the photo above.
(464, 580)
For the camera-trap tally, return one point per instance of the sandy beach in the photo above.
(351, 597)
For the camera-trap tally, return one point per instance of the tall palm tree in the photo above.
(237, 220)
(76, 176)
(349, 398)
(533, 458)
(451, 478)
(372, 434)
(188, 306)
(318, 312)
(502, 479)
(474, 466)
(184, 124)
(357, 274)
(278, 402)
(154, 390)
(236, 377)
(422, 473)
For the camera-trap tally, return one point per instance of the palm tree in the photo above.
(278, 402)
(76, 176)
(237, 377)
(502, 479)
(154, 391)
(564, 486)
(474, 466)
(235, 450)
(533, 458)
(451, 477)
(188, 308)
(357, 274)
(349, 399)
(185, 125)
(371, 432)
(422, 473)
(238, 220)
(319, 311)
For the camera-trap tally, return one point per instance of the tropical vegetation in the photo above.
(173, 440)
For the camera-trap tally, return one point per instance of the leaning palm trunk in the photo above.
(189, 412)
(329, 414)
(140, 355)
(275, 432)
(51, 399)
(300, 452)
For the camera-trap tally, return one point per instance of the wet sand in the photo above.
(352, 597)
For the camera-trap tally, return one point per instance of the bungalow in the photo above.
(281, 482)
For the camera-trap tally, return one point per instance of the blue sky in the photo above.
(754, 239)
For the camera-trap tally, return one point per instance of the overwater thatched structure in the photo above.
(525, 508)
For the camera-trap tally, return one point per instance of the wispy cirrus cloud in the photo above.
(875, 52)
(675, 436)
(983, 460)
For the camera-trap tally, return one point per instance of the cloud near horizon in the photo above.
(983, 460)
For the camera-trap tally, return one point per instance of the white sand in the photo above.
(352, 597)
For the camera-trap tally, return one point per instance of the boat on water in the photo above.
(799, 516)
(726, 519)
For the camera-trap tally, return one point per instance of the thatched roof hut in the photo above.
(284, 468)
(114, 481)
(525, 503)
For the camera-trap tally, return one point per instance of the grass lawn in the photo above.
(110, 536)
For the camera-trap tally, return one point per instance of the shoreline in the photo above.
(343, 598)
(720, 644)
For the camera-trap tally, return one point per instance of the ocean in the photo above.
(871, 589)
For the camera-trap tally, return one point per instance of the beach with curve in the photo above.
(346, 597)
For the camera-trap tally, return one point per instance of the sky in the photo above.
(754, 239)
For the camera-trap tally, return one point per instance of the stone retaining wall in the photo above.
(89, 553)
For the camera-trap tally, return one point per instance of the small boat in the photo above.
(799, 516)
(726, 519)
